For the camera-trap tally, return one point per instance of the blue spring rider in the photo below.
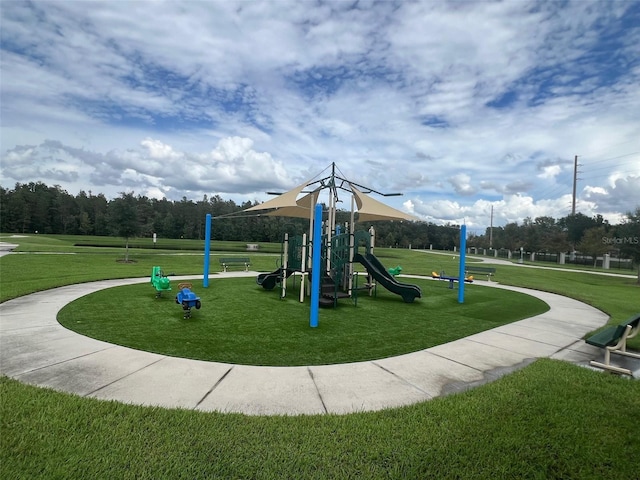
(187, 299)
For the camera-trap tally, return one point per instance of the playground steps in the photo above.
(325, 302)
(328, 294)
(330, 299)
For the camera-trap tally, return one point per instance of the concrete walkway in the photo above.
(36, 349)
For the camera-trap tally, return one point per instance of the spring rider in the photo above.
(160, 281)
(187, 299)
(395, 270)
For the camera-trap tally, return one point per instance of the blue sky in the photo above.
(461, 106)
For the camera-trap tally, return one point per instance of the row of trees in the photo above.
(589, 236)
(36, 207)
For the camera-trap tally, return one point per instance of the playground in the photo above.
(438, 437)
(369, 384)
(333, 266)
(326, 254)
(242, 323)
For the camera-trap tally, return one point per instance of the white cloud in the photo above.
(622, 195)
(550, 171)
(159, 150)
(458, 105)
(156, 169)
(512, 208)
(462, 184)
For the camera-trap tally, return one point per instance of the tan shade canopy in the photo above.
(287, 199)
(370, 210)
(288, 205)
(302, 208)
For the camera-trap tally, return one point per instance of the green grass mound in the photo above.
(241, 323)
(551, 420)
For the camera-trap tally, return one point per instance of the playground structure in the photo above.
(333, 253)
(338, 276)
(187, 299)
(160, 281)
(340, 247)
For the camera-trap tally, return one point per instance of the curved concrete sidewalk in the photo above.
(36, 349)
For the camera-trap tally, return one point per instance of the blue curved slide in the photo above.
(407, 291)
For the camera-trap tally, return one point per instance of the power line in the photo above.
(608, 174)
(619, 164)
(587, 172)
(599, 152)
(611, 158)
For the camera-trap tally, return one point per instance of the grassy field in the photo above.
(80, 243)
(549, 420)
(38, 268)
(240, 322)
(45, 261)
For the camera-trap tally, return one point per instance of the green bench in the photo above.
(488, 271)
(614, 340)
(227, 262)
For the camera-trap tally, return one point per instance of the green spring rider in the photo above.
(160, 281)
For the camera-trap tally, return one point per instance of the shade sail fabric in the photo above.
(287, 199)
(288, 205)
(370, 209)
(302, 209)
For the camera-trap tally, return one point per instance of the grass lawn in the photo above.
(30, 272)
(240, 322)
(549, 420)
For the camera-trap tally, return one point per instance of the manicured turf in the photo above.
(240, 322)
(31, 272)
(550, 420)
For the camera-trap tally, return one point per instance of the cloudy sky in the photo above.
(460, 106)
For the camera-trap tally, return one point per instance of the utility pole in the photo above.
(575, 181)
(491, 230)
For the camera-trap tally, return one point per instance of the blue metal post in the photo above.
(463, 254)
(316, 275)
(207, 241)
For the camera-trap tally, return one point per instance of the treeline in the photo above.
(573, 233)
(36, 207)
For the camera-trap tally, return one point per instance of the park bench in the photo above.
(227, 262)
(488, 271)
(614, 340)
